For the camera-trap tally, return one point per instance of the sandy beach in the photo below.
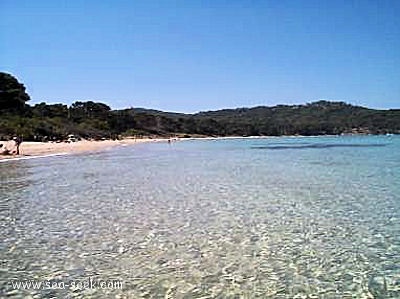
(34, 149)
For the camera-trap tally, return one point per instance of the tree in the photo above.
(12, 94)
(83, 110)
(45, 110)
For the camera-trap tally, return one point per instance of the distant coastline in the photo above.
(97, 121)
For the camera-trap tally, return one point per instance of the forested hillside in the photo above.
(89, 119)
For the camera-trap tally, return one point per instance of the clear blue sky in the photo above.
(202, 55)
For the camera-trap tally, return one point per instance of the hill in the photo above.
(90, 119)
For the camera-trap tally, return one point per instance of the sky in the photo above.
(189, 56)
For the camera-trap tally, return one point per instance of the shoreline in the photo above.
(31, 149)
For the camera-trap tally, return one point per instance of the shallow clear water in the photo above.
(315, 217)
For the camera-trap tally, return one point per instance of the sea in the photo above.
(277, 217)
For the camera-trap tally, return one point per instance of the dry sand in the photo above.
(53, 148)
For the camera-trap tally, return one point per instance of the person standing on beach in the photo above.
(18, 141)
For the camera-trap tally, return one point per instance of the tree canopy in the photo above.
(12, 94)
(90, 119)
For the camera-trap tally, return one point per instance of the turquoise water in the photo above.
(315, 217)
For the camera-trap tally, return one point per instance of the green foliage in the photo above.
(96, 120)
(12, 94)
(44, 110)
(80, 111)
